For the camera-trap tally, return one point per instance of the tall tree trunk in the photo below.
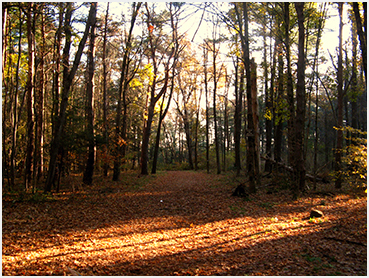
(300, 105)
(39, 105)
(87, 175)
(290, 97)
(197, 124)
(268, 103)
(278, 128)
(30, 92)
(362, 33)
(206, 110)
(15, 106)
(237, 120)
(215, 81)
(105, 99)
(255, 118)
(339, 126)
(68, 75)
(252, 151)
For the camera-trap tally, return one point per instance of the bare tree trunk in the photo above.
(300, 105)
(338, 151)
(105, 100)
(252, 151)
(237, 120)
(87, 175)
(15, 106)
(362, 33)
(30, 92)
(255, 117)
(215, 80)
(278, 128)
(290, 97)
(206, 110)
(268, 103)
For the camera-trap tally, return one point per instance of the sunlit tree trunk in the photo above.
(362, 32)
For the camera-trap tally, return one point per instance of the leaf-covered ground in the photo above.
(182, 223)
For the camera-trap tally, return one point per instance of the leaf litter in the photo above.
(183, 223)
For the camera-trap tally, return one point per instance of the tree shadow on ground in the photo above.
(172, 206)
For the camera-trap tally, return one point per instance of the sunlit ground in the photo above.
(162, 230)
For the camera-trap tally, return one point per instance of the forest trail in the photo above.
(183, 223)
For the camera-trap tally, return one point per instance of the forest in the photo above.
(102, 102)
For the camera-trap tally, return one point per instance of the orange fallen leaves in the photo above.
(136, 234)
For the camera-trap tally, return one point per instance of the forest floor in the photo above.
(182, 223)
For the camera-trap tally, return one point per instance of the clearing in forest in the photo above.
(182, 223)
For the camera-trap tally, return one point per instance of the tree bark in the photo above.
(215, 83)
(339, 126)
(206, 110)
(15, 106)
(105, 99)
(362, 33)
(290, 97)
(30, 92)
(87, 176)
(38, 103)
(237, 120)
(300, 105)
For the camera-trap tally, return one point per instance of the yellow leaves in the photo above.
(268, 114)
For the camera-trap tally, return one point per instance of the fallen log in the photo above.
(290, 169)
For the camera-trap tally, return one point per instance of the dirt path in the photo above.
(183, 223)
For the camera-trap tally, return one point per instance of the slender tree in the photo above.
(361, 31)
(300, 105)
(105, 99)
(30, 92)
(339, 126)
(87, 175)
